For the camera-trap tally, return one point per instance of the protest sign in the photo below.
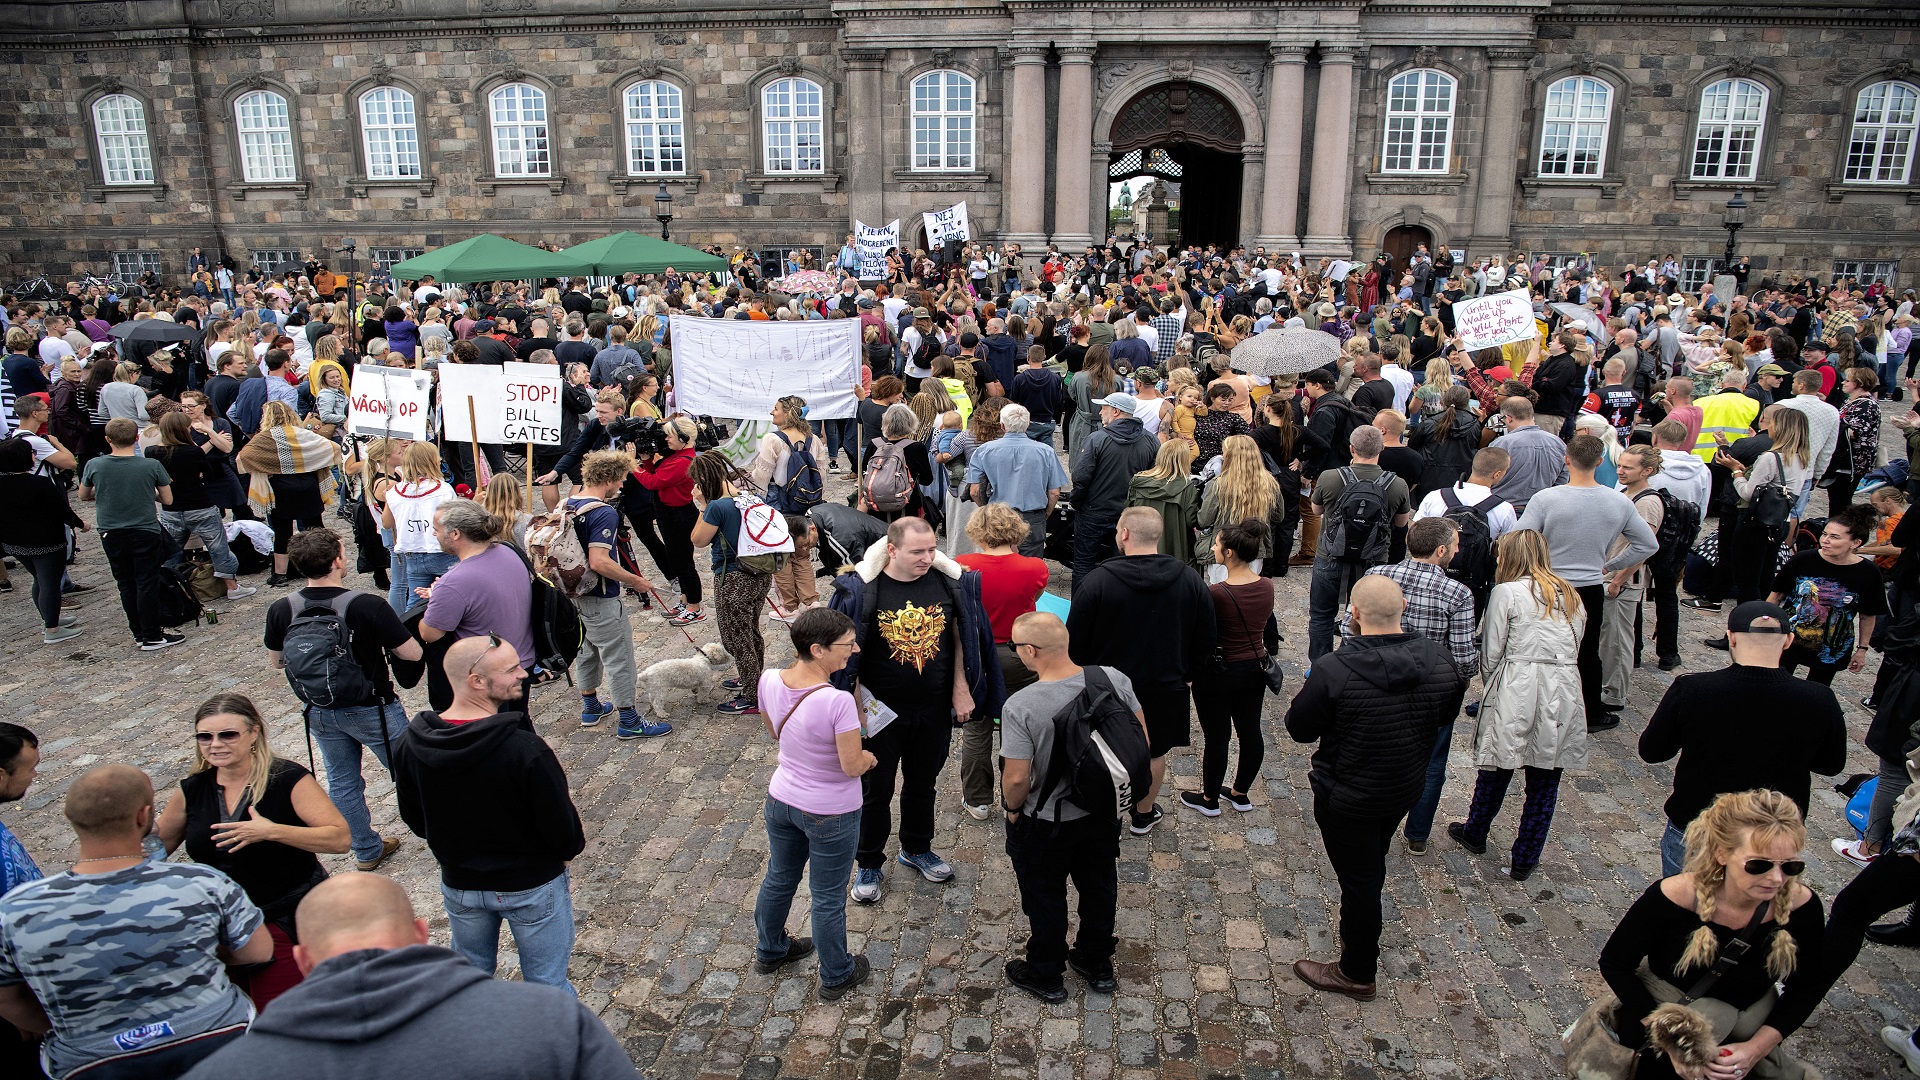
(873, 245)
(388, 402)
(1338, 270)
(738, 369)
(948, 224)
(512, 404)
(1486, 322)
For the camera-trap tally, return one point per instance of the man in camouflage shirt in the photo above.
(122, 957)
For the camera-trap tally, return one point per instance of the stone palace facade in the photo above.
(133, 130)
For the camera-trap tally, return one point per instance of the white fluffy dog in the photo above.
(692, 674)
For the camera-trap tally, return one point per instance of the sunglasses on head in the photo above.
(205, 737)
(493, 642)
(1789, 867)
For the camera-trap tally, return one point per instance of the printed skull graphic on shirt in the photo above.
(913, 633)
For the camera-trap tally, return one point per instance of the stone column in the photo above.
(1286, 121)
(1098, 189)
(1073, 153)
(1332, 147)
(1253, 175)
(866, 136)
(1499, 152)
(1026, 186)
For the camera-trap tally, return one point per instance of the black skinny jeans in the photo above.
(1357, 848)
(644, 516)
(915, 748)
(1594, 599)
(1885, 884)
(135, 556)
(676, 542)
(47, 571)
(1229, 704)
(1665, 592)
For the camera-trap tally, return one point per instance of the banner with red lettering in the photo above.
(512, 403)
(389, 403)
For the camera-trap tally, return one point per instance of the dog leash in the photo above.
(664, 606)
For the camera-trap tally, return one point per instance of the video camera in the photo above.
(648, 435)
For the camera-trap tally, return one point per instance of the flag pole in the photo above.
(473, 432)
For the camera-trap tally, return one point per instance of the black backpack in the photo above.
(1358, 527)
(558, 632)
(804, 488)
(179, 604)
(318, 653)
(1473, 565)
(1100, 753)
(1767, 510)
(1679, 526)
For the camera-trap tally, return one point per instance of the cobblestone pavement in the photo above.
(1479, 974)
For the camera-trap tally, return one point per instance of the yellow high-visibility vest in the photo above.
(1730, 413)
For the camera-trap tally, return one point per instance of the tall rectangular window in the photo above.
(1419, 123)
(520, 131)
(120, 123)
(656, 130)
(1573, 135)
(792, 115)
(392, 135)
(266, 138)
(1726, 144)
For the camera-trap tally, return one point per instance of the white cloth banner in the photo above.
(948, 224)
(388, 402)
(513, 403)
(873, 245)
(1486, 322)
(738, 369)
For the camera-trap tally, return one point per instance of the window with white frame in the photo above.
(1419, 123)
(131, 264)
(1733, 117)
(1865, 271)
(273, 258)
(1881, 148)
(1573, 132)
(943, 121)
(120, 123)
(656, 129)
(266, 138)
(384, 257)
(792, 118)
(392, 135)
(520, 131)
(1697, 270)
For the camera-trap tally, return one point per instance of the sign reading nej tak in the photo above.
(389, 403)
(737, 369)
(1486, 322)
(511, 403)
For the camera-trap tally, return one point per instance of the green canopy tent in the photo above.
(488, 258)
(636, 253)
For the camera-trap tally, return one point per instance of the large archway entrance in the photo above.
(1188, 137)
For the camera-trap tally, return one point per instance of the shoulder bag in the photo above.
(1270, 670)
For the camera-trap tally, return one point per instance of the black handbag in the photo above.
(1274, 676)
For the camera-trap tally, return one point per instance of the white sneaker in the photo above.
(241, 593)
(980, 813)
(1900, 1041)
(1854, 851)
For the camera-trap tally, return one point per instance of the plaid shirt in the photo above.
(1168, 328)
(1437, 607)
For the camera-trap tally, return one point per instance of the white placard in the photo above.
(513, 403)
(1486, 322)
(948, 224)
(735, 368)
(388, 402)
(873, 245)
(1338, 270)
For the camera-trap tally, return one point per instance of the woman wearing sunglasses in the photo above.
(1741, 881)
(258, 819)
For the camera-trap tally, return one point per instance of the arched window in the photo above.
(520, 131)
(392, 137)
(1881, 149)
(266, 138)
(792, 113)
(1573, 130)
(943, 121)
(656, 131)
(120, 123)
(1419, 123)
(1733, 117)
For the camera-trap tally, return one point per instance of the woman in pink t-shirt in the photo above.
(813, 801)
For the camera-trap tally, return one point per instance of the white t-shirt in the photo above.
(53, 350)
(413, 505)
(1402, 381)
(424, 293)
(893, 306)
(1500, 520)
(1147, 411)
(42, 449)
(215, 351)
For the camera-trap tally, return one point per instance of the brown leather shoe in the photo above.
(1300, 560)
(387, 847)
(1329, 977)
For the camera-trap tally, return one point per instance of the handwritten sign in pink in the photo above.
(1486, 322)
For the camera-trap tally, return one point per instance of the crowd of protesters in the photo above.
(1481, 529)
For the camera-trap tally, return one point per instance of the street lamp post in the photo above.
(1734, 218)
(353, 289)
(663, 209)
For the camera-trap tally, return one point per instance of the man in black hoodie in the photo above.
(1150, 616)
(1123, 446)
(489, 797)
(379, 1000)
(1373, 706)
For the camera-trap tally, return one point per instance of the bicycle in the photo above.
(36, 288)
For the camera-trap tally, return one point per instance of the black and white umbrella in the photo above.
(1288, 350)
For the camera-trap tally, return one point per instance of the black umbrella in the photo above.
(153, 330)
(288, 268)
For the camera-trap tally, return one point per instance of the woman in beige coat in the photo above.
(1532, 716)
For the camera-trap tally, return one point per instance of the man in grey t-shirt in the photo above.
(1047, 852)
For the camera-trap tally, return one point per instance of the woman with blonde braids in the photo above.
(1743, 867)
(1244, 489)
(1531, 717)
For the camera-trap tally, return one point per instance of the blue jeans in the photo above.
(1041, 431)
(206, 525)
(1890, 373)
(839, 435)
(341, 733)
(541, 919)
(1325, 594)
(1673, 850)
(1420, 818)
(824, 844)
(415, 570)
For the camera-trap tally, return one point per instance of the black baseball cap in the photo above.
(1757, 611)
